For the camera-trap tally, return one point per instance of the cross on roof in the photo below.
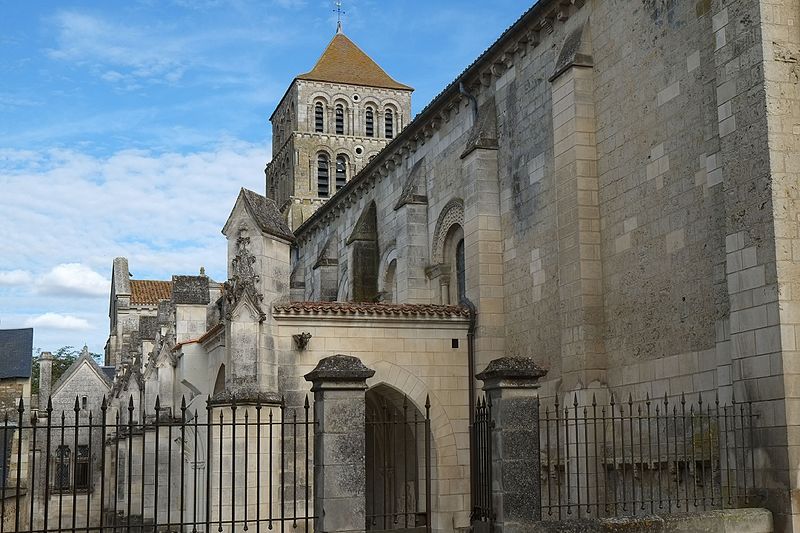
(339, 13)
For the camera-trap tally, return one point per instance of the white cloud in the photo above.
(122, 53)
(58, 321)
(73, 279)
(15, 277)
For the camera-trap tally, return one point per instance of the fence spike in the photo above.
(104, 404)
(77, 404)
(306, 404)
(427, 401)
(21, 406)
(700, 400)
(613, 400)
(575, 400)
(683, 398)
(158, 405)
(647, 398)
(594, 400)
(630, 399)
(49, 404)
(130, 403)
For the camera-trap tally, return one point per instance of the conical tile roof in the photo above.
(344, 62)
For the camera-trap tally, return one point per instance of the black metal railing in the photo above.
(482, 508)
(652, 457)
(398, 467)
(223, 466)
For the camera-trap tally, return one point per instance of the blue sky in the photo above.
(127, 128)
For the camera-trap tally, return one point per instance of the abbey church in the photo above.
(610, 189)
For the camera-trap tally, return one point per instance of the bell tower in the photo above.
(329, 124)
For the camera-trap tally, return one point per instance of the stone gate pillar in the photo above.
(512, 385)
(339, 385)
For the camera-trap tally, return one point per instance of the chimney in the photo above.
(45, 379)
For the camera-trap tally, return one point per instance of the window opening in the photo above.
(389, 124)
(370, 122)
(323, 176)
(61, 480)
(339, 120)
(461, 271)
(319, 119)
(82, 468)
(341, 172)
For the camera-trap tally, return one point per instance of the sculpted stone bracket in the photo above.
(301, 340)
(243, 280)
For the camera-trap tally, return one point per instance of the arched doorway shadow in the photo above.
(398, 462)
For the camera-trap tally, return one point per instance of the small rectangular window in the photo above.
(454, 343)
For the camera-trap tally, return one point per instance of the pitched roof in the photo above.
(364, 308)
(146, 291)
(84, 359)
(344, 62)
(16, 353)
(265, 213)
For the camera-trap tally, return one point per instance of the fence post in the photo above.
(511, 384)
(339, 385)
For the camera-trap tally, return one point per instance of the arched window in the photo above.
(319, 118)
(323, 176)
(389, 124)
(341, 171)
(61, 480)
(461, 279)
(339, 120)
(370, 122)
(82, 468)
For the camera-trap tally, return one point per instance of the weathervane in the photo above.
(339, 13)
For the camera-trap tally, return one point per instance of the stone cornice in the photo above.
(524, 35)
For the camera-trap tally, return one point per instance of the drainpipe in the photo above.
(473, 319)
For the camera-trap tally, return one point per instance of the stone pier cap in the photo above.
(511, 372)
(339, 372)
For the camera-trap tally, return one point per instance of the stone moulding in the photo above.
(452, 213)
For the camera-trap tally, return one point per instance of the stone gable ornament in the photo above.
(243, 280)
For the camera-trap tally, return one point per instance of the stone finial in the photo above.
(46, 356)
(522, 371)
(339, 369)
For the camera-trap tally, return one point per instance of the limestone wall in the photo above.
(414, 357)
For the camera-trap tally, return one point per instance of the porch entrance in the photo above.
(398, 463)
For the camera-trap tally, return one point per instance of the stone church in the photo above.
(609, 189)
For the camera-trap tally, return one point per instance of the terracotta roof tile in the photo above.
(352, 308)
(145, 291)
(344, 62)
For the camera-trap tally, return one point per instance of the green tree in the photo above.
(62, 360)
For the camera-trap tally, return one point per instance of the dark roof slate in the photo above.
(266, 214)
(190, 290)
(16, 353)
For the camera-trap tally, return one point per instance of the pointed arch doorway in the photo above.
(398, 462)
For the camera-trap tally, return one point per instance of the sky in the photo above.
(128, 127)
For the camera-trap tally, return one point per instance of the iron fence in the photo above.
(482, 508)
(398, 467)
(237, 465)
(650, 457)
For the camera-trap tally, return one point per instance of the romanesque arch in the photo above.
(451, 214)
